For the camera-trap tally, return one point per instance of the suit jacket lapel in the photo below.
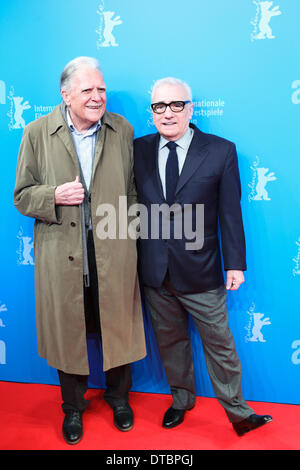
(197, 152)
(157, 175)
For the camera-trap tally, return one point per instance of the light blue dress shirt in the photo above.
(85, 148)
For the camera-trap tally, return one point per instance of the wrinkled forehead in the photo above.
(87, 77)
(168, 92)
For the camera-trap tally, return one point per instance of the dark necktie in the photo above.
(172, 173)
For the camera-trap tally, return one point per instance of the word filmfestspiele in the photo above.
(209, 108)
(166, 222)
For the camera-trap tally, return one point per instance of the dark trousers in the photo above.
(169, 313)
(118, 379)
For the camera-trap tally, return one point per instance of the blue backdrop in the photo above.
(240, 58)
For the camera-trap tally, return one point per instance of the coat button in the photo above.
(71, 258)
(73, 224)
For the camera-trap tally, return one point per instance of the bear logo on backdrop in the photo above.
(17, 107)
(261, 23)
(296, 93)
(24, 251)
(2, 343)
(106, 25)
(260, 178)
(256, 323)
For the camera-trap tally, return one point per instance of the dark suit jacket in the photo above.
(210, 176)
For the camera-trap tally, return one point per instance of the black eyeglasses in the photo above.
(175, 106)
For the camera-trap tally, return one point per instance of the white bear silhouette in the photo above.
(258, 324)
(19, 108)
(27, 247)
(266, 13)
(110, 23)
(263, 179)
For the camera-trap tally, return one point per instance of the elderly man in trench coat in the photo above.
(70, 162)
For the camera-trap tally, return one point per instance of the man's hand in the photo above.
(69, 194)
(234, 279)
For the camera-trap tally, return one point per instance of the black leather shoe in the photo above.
(252, 422)
(72, 427)
(173, 417)
(123, 417)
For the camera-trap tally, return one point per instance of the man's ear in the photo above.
(65, 97)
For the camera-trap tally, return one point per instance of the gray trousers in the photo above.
(169, 313)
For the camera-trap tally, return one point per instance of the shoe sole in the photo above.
(123, 429)
(72, 442)
(173, 425)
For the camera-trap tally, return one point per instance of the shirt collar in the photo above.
(94, 128)
(183, 142)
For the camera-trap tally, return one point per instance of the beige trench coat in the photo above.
(47, 159)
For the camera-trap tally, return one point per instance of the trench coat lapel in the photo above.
(58, 125)
(100, 139)
(64, 135)
(106, 122)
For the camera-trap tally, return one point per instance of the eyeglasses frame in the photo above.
(169, 105)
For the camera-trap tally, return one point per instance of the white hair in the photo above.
(72, 67)
(171, 81)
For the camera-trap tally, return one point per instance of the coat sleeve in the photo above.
(131, 192)
(230, 214)
(31, 197)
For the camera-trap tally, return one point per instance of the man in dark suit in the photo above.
(197, 176)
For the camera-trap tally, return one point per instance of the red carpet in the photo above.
(31, 419)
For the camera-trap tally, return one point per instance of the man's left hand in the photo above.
(234, 279)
